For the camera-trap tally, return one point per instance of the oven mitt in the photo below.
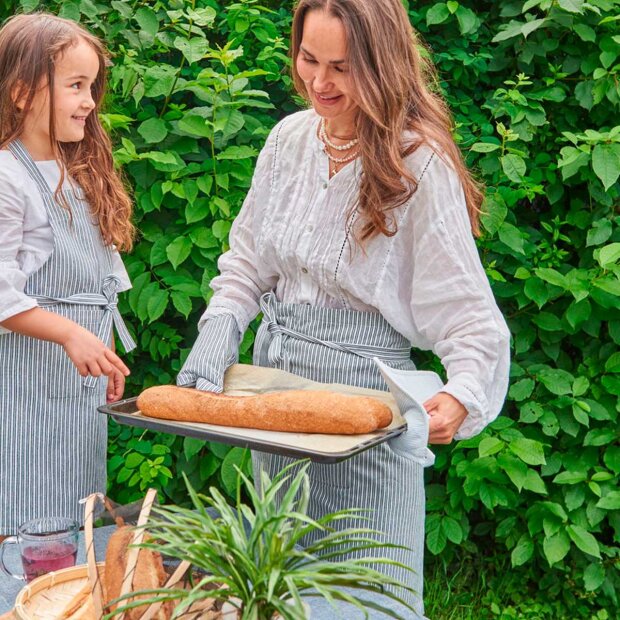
(410, 388)
(215, 350)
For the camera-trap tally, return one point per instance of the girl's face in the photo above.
(322, 65)
(75, 73)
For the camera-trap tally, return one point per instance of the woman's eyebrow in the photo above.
(331, 62)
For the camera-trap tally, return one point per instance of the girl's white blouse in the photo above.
(26, 237)
(426, 280)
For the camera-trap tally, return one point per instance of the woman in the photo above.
(358, 230)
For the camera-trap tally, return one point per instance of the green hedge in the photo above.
(534, 87)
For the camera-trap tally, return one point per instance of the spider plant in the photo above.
(260, 565)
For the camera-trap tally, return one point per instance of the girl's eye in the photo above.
(339, 70)
(310, 60)
(75, 85)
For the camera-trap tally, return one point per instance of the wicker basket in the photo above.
(47, 596)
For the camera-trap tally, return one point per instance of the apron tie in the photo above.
(108, 300)
(275, 351)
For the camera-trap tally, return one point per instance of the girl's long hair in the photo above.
(30, 45)
(395, 92)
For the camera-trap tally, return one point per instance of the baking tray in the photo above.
(317, 447)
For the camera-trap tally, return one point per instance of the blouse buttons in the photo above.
(325, 185)
(304, 270)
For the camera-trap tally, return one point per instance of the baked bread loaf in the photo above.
(81, 606)
(295, 411)
(148, 575)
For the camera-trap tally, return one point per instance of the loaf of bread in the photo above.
(295, 411)
(148, 575)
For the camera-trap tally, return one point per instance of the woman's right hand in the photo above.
(90, 355)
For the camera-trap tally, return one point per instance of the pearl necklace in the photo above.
(325, 138)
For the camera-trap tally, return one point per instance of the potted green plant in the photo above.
(260, 568)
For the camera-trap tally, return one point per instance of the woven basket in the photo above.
(47, 596)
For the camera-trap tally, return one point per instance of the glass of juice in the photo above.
(45, 545)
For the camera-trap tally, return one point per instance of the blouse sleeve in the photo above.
(13, 300)
(239, 286)
(452, 307)
(118, 269)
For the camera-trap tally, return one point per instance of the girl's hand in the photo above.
(90, 356)
(116, 387)
(447, 414)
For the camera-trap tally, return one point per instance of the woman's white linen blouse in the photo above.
(26, 237)
(292, 235)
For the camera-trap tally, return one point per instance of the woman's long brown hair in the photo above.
(394, 90)
(29, 47)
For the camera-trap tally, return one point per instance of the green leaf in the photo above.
(572, 6)
(192, 446)
(512, 237)
(606, 163)
(613, 363)
(179, 250)
(153, 130)
(157, 304)
(552, 276)
(467, 19)
(158, 80)
(529, 451)
(521, 390)
(556, 547)
(570, 477)
(182, 303)
(485, 147)
(436, 539)
(489, 446)
(229, 121)
(230, 475)
(523, 552)
(593, 577)
(452, 529)
(437, 14)
(147, 19)
(494, 212)
(515, 469)
(612, 458)
(513, 167)
(611, 501)
(600, 232)
(584, 540)
(556, 380)
(548, 322)
(585, 33)
(196, 125)
(194, 49)
(237, 152)
(533, 482)
(609, 255)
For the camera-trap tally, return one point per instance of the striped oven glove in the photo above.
(215, 350)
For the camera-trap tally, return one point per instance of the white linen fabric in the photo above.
(26, 238)
(294, 235)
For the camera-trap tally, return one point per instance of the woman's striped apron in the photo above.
(333, 345)
(52, 439)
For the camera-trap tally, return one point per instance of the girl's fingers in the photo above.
(106, 368)
(117, 362)
(94, 369)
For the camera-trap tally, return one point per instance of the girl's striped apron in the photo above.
(52, 439)
(333, 345)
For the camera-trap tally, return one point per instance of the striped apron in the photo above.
(333, 345)
(52, 439)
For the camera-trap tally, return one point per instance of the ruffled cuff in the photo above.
(469, 393)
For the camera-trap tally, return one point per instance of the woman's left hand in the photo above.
(446, 414)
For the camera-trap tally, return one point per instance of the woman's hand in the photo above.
(116, 387)
(447, 415)
(90, 355)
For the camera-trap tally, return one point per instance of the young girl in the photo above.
(63, 210)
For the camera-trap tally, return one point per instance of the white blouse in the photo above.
(427, 280)
(26, 237)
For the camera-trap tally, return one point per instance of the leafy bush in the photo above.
(195, 88)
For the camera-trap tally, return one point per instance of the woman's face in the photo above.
(322, 65)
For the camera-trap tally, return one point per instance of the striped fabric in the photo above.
(52, 439)
(389, 483)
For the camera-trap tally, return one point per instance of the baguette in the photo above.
(295, 411)
(148, 575)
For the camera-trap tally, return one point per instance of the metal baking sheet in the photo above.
(317, 447)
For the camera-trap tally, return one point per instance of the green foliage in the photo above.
(253, 551)
(534, 87)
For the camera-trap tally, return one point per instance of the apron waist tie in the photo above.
(108, 299)
(275, 351)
